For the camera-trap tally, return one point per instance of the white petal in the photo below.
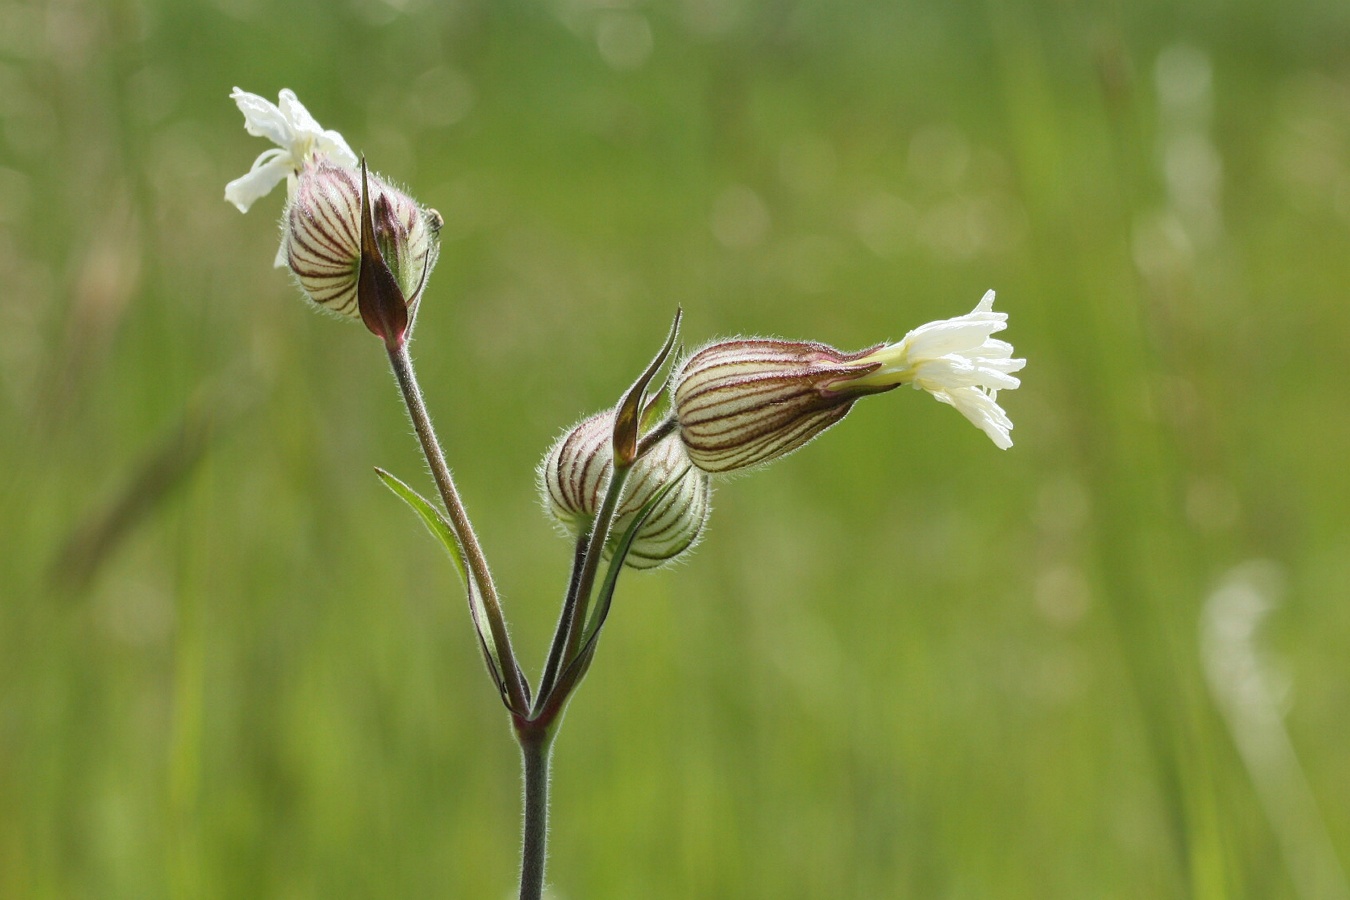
(296, 114)
(983, 411)
(310, 136)
(262, 118)
(996, 349)
(268, 171)
(1003, 365)
(952, 372)
(959, 335)
(333, 144)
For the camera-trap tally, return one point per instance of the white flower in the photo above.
(299, 140)
(959, 363)
(747, 401)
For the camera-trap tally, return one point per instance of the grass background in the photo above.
(902, 664)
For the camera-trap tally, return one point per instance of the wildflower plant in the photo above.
(630, 485)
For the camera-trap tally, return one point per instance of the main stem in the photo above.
(535, 750)
(535, 741)
(474, 559)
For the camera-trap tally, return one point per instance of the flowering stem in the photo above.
(576, 623)
(656, 434)
(535, 750)
(474, 560)
(555, 660)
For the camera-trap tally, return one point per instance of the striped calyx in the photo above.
(575, 474)
(322, 236)
(747, 401)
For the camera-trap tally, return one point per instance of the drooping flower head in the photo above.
(325, 219)
(322, 236)
(745, 402)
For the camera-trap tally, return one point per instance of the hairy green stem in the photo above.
(474, 560)
(586, 581)
(656, 434)
(535, 750)
(554, 664)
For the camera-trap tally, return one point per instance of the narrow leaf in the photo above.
(431, 517)
(440, 528)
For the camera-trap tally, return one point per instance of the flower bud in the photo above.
(322, 236)
(744, 402)
(575, 474)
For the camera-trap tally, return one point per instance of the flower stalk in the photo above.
(631, 484)
(514, 688)
(627, 449)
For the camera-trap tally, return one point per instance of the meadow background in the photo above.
(1111, 662)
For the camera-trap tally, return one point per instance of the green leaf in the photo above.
(431, 517)
(440, 528)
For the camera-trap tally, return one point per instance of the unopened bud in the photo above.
(322, 237)
(575, 475)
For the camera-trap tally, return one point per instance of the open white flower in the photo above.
(747, 401)
(959, 363)
(299, 139)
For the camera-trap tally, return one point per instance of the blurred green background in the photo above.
(902, 663)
